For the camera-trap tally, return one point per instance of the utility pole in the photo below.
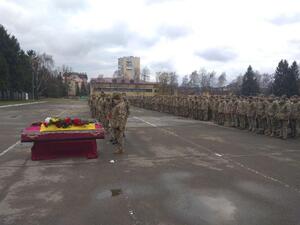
(32, 66)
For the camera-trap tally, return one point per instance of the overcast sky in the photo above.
(176, 35)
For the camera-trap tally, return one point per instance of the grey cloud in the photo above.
(151, 2)
(85, 51)
(286, 19)
(162, 66)
(173, 32)
(146, 42)
(294, 42)
(69, 5)
(217, 54)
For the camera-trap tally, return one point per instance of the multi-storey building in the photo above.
(76, 82)
(129, 68)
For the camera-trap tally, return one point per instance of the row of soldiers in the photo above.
(271, 115)
(112, 111)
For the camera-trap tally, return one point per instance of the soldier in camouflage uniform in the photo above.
(272, 112)
(283, 116)
(242, 113)
(221, 114)
(234, 114)
(295, 116)
(204, 108)
(127, 104)
(227, 107)
(260, 115)
(251, 114)
(118, 122)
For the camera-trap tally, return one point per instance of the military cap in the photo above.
(284, 96)
(116, 96)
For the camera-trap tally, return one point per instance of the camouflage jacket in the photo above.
(119, 117)
(284, 111)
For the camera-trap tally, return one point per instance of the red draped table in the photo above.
(52, 145)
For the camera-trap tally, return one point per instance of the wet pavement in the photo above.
(174, 171)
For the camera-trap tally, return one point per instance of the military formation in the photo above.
(268, 115)
(112, 112)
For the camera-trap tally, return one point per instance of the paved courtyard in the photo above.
(174, 171)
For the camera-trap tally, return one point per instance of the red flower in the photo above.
(76, 121)
(68, 120)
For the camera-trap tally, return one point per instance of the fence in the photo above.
(7, 95)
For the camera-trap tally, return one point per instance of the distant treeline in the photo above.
(285, 81)
(29, 71)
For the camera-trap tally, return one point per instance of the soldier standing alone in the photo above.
(118, 122)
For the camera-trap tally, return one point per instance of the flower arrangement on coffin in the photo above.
(64, 123)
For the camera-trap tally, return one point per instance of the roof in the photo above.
(118, 80)
(80, 75)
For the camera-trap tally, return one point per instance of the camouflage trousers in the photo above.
(221, 118)
(227, 121)
(106, 124)
(205, 115)
(261, 123)
(234, 120)
(242, 121)
(251, 123)
(283, 128)
(93, 112)
(274, 125)
(200, 114)
(293, 125)
(119, 137)
(215, 116)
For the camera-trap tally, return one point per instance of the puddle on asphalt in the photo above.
(109, 193)
(115, 192)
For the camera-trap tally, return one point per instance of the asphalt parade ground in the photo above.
(174, 171)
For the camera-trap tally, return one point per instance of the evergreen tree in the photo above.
(4, 73)
(15, 68)
(250, 85)
(292, 80)
(280, 86)
(23, 72)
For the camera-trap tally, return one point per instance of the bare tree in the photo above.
(42, 67)
(204, 78)
(168, 82)
(115, 74)
(236, 85)
(222, 79)
(44, 72)
(194, 79)
(185, 81)
(66, 69)
(212, 79)
(136, 76)
(145, 74)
